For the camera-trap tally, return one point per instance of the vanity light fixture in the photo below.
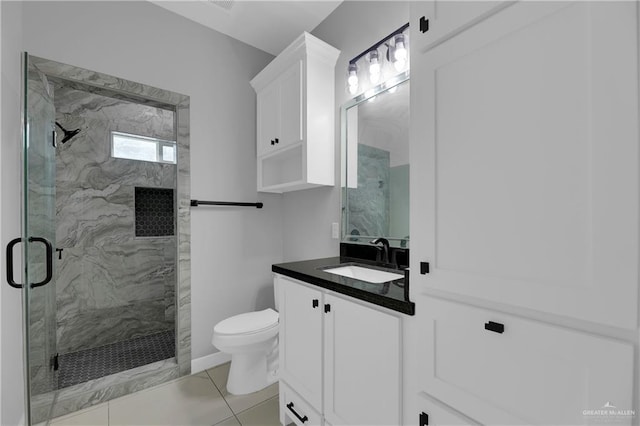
(396, 55)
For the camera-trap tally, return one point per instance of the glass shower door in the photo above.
(39, 233)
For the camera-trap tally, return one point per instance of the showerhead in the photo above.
(68, 134)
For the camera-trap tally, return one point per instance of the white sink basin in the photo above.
(364, 274)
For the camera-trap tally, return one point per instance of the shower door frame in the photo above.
(99, 83)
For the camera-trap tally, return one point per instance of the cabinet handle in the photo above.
(496, 327)
(424, 24)
(327, 308)
(302, 419)
(277, 141)
(273, 142)
(315, 303)
(424, 419)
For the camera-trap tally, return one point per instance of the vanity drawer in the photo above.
(502, 369)
(296, 409)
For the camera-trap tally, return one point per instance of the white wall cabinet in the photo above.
(502, 369)
(359, 381)
(529, 192)
(280, 111)
(525, 124)
(435, 21)
(295, 117)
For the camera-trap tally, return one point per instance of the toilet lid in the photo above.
(251, 322)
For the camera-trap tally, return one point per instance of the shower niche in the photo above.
(108, 322)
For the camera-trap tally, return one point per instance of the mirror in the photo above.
(375, 165)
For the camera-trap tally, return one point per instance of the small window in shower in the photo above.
(154, 212)
(142, 148)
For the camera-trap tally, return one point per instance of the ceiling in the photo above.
(268, 25)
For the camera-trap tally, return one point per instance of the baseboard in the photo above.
(209, 361)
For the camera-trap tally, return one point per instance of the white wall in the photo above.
(10, 148)
(232, 248)
(353, 27)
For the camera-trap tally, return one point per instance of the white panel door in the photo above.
(362, 365)
(528, 372)
(446, 18)
(301, 339)
(433, 413)
(527, 127)
(290, 106)
(268, 107)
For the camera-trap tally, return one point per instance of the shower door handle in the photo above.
(49, 256)
(10, 279)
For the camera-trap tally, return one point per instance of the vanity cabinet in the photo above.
(529, 193)
(295, 117)
(339, 358)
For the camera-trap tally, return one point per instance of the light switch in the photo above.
(335, 230)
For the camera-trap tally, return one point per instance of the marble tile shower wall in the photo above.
(369, 203)
(110, 285)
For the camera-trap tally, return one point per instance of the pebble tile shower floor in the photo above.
(89, 364)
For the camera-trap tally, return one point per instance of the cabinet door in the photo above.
(362, 365)
(290, 106)
(445, 18)
(436, 414)
(301, 339)
(524, 372)
(529, 190)
(268, 101)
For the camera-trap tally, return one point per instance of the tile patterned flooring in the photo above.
(89, 364)
(198, 399)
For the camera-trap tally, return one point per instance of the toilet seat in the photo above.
(248, 323)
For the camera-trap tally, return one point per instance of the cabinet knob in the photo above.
(314, 303)
(277, 141)
(424, 24)
(496, 327)
(327, 308)
(273, 142)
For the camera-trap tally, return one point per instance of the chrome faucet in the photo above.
(385, 248)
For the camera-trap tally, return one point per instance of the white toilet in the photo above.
(252, 341)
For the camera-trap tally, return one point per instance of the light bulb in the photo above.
(352, 80)
(399, 64)
(374, 67)
(400, 53)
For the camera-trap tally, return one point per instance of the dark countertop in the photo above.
(389, 295)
